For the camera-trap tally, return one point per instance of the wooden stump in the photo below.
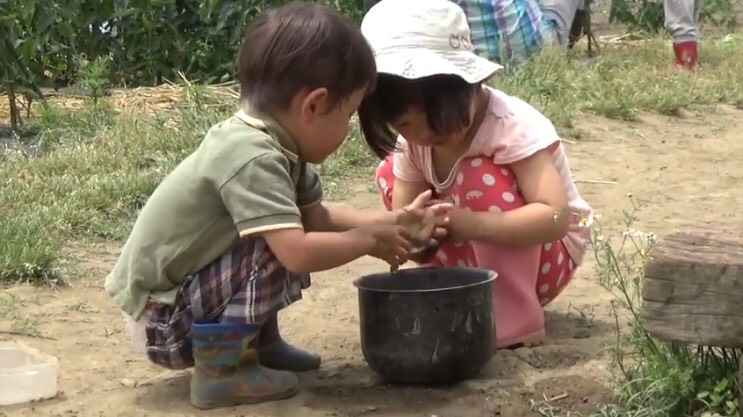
(740, 387)
(693, 287)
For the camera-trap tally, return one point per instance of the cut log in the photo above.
(740, 386)
(693, 286)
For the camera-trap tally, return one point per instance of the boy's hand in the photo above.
(392, 242)
(426, 222)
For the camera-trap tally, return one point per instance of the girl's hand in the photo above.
(425, 221)
(462, 225)
(450, 230)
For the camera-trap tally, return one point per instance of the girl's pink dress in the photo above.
(528, 277)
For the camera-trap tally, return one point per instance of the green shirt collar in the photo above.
(273, 128)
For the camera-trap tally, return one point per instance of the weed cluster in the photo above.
(655, 378)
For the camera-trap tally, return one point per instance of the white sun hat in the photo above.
(420, 38)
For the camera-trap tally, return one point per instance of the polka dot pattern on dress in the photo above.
(488, 180)
(481, 186)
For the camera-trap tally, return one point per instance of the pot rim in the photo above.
(492, 275)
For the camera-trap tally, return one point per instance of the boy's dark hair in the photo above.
(302, 46)
(445, 99)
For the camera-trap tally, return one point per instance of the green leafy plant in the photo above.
(720, 13)
(93, 77)
(646, 16)
(38, 37)
(141, 42)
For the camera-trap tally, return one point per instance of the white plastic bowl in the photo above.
(26, 374)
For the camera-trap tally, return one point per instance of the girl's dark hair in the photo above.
(445, 99)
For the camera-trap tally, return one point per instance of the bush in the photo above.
(143, 42)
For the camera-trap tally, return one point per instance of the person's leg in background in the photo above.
(510, 31)
(485, 32)
(578, 26)
(562, 13)
(682, 23)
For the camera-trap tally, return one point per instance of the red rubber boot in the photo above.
(686, 55)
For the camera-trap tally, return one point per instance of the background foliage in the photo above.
(646, 16)
(47, 43)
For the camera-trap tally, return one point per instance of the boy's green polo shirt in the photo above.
(244, 178)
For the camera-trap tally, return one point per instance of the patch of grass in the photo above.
(656, 378)
(95, 170)
(91, 183)
(97, 166)
(352, 161)
(626, 79)
(10, 313)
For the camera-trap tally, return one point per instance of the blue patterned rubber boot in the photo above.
(275, 353)
(226, 371)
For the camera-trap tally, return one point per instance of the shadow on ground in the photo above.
(346, 389)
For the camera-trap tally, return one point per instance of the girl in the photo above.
(437, 126)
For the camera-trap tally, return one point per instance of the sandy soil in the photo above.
(683, 169)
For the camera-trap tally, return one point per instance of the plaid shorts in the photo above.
(246, 285)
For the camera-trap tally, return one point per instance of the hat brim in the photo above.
(420, 63)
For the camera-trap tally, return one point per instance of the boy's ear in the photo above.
(314, 103)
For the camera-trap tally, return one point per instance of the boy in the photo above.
(231, 235)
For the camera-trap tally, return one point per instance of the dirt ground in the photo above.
(684, 169)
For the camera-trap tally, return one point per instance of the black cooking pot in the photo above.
(427, 325)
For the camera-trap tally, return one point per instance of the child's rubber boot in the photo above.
(686, 55)
(275, 353)
(226, 371)
(519, 317)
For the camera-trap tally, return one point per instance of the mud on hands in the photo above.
(426, 221)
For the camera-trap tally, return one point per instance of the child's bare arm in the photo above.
(302, 252)
(544, 218)
(262, 200)
(338, 217)
(419, 213)
(404, 192)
